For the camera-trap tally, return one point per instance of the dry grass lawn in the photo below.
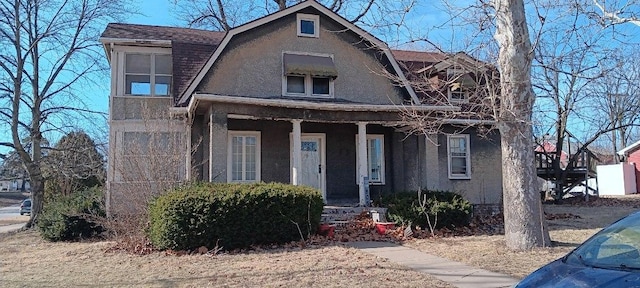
(14, 220)
(28, 261)
(491, 253)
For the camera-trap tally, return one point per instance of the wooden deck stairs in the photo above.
(568, 174)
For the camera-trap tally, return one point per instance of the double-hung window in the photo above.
(307, 75)
(147, 74)
(459, 156)
(243, 163)
(460, 84)
(375, 158)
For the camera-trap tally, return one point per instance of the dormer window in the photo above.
(308, 75)
(459, 84)
(308, 25)
(458, 94)
(147, 74)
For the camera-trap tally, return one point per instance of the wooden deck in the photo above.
(571, 172)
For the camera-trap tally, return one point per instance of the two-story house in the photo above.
(300, 96)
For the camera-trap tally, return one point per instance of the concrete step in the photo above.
(337, 214)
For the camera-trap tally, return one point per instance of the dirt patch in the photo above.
(29, 261)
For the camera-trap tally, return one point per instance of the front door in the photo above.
(312, 161)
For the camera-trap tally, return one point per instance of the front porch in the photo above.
(348, 160)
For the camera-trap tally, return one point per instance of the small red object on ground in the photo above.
(381, 227)
(326, 230)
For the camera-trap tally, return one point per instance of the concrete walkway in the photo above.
(9, 228)
(457, 274)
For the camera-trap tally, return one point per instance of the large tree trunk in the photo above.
(523, 216)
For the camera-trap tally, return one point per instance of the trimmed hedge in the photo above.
(74, 217)
(403, 207)
(233, 215)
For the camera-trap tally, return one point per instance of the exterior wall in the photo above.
(634, 158)
(145, 158)
(137, 170)
(251, 64)
(485, 185)
(139, 108)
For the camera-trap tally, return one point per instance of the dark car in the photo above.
(25, 207)
(610, 258)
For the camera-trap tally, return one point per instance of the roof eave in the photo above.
(624, 151)
(159, 42)
(301, 104)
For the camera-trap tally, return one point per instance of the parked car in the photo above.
(25, 207)
(610, 258)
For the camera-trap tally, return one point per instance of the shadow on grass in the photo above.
(564, 244)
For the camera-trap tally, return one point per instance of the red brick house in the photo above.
(631, 155)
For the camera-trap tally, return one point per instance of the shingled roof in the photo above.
(191, 48)
(149, 32)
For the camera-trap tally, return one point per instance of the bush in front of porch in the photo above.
(230, 216)
(452, 209)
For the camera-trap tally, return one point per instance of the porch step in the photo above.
(340, 215)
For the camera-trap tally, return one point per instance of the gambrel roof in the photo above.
(194, 51)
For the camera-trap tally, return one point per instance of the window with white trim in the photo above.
(308, 25)
(147, 74)
(459, 156)
(375, 158)
(243, 160)
(459, 85)
(307, 85)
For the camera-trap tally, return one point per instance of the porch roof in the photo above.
(311, 105)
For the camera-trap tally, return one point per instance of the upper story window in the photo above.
(308, 75)
(147, 74)
(459, 156)
(308, 25)
(460, 83)
(458, 93)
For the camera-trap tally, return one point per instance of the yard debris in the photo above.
(551, 216)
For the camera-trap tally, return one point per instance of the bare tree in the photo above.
(524, 220)
(616, 98)
(222, 15)
(48, 48)
(614, 12)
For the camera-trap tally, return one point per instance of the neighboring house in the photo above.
(631, 156)
(5, 185)
(300, 96)
(14, 185)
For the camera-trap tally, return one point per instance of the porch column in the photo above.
(188, 163)
(363, 170)
(297, 152)
(211, 135)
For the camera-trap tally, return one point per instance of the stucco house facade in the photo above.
(300, 96)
